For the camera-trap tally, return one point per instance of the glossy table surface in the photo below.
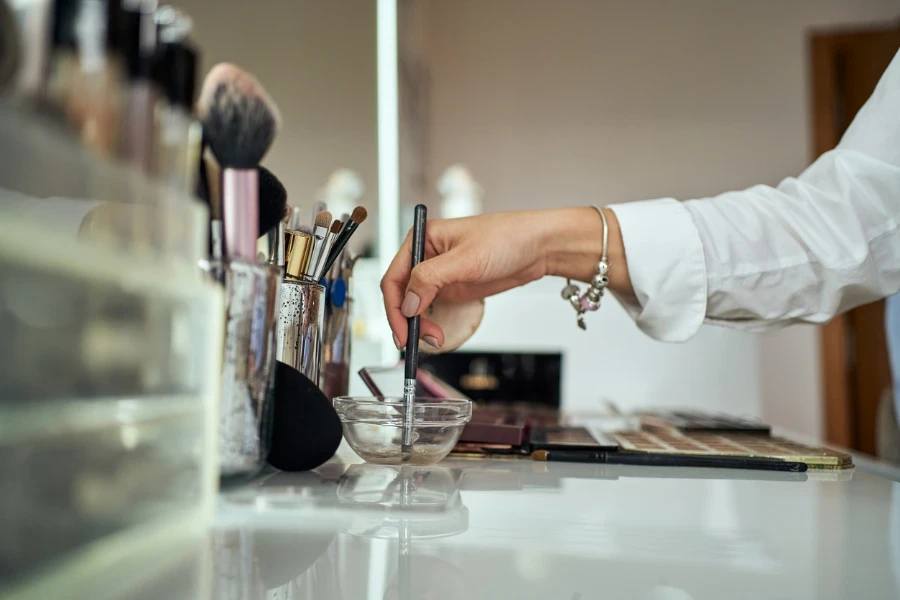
(517, 529)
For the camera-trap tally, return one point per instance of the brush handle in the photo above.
(240, 212)
(320, 234)
(320, 271)
(276, 249)
(412, 340)
(342, 238)
(346, 224)
(418, 253)
(216, 239)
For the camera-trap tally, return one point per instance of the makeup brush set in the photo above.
(276, 304)
(120, 76)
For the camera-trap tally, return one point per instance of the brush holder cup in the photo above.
(301, 326)
(245, 408)
(335, 377)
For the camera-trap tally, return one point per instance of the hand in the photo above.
(476, 257)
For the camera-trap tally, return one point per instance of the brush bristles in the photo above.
(323, 219)
(239, 118)
(359, 214)
(336, 226)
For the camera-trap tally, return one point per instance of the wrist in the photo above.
(574, 244)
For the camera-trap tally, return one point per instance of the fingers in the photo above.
(466, 292)
(429, 333)
(407, 294)
(428, 277)
(393, 287)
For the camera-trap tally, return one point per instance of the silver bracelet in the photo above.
(590, 300)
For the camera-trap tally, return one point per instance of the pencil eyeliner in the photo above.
(670, 460)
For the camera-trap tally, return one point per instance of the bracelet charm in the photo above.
(590, 299)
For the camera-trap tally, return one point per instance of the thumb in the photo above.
(428, 277)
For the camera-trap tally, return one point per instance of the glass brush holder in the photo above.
(245, 406)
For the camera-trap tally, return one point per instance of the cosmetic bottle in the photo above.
(93, 102)
(178, 133)
(138, 36)
(63, 57)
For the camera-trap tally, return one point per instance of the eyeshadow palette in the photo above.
(696, 420)
(570, 438)
(509, 431)
(671, 441)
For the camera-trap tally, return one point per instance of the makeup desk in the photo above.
(517, 529)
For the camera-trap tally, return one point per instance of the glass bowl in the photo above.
(374, 427)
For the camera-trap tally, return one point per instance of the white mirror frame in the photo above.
(388, 143)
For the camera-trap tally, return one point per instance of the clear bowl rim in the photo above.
(398, 402)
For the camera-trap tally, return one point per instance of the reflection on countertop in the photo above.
(497, 529)
(517, 529)
(313, 535)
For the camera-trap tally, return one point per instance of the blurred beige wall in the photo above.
(317, 59)
(602, 101)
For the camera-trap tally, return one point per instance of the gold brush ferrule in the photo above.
(297, 252)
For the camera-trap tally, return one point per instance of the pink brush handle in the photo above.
(240, 212)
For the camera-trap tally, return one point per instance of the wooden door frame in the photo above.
(836, 387)
(837, 343)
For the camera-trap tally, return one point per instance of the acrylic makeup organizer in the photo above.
(108, 372)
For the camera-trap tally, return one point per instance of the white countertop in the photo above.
(518, 529)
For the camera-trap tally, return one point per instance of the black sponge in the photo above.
(306, 430)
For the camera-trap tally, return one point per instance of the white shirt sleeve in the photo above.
(806, 250)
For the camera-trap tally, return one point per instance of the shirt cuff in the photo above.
(667, 268)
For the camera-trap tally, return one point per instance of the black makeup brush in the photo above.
(359, 215)
(412, 340)
(306, 430)
(240, 122)
(272, 200)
